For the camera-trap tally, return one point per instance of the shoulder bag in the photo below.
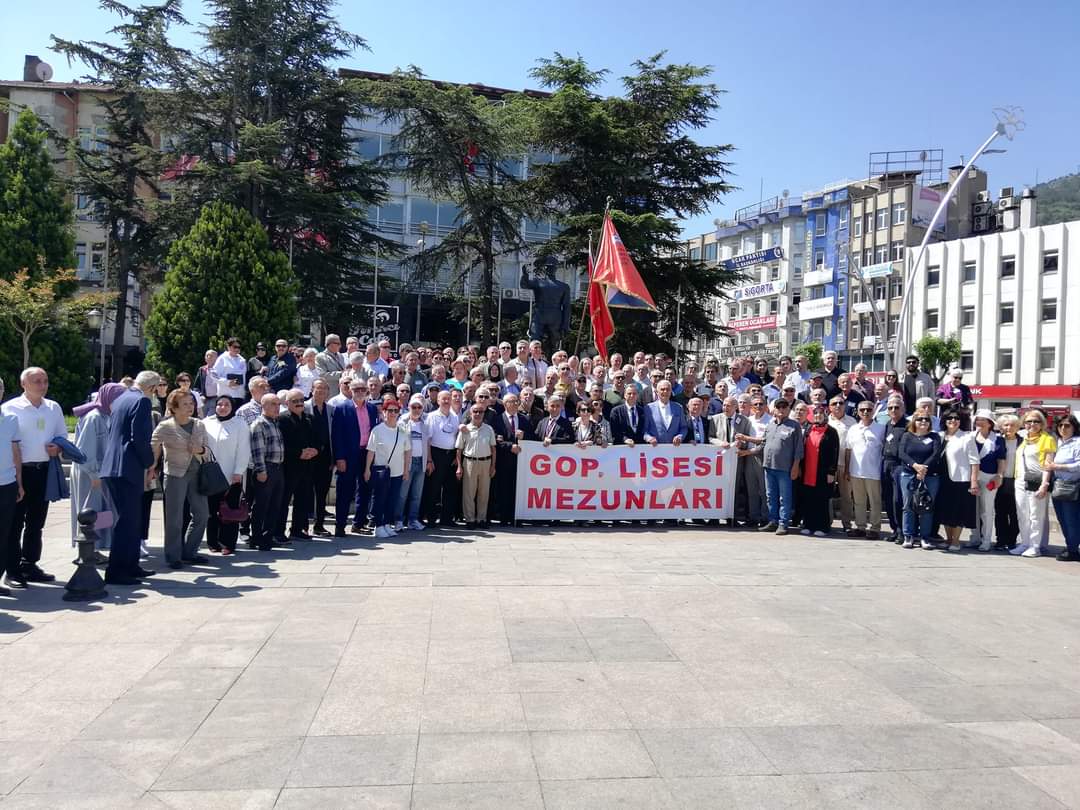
(1065, 490)
(211, 480)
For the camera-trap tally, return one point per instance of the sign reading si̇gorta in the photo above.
(565, 482)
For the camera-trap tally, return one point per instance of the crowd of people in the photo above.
(431, 437)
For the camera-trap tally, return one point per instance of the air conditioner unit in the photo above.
(1005, 202)
(1006, 192)
(982, 208)
(510, 293)
(983, 196)
(981, 223)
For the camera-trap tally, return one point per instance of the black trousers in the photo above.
(815, 507)
(8, 494)
(296, 488)
(505, 487)
(321, 475)
(148, 504)
(892, 497)
(1006, 526)
(440, 499)
(266, 507)
(223, 535)
(30, 515)
(128, 500)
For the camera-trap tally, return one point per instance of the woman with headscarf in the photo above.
(87, 489)
(230, 441)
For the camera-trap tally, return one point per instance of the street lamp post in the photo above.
(422, 244)
(1009, 122)
(94, 320)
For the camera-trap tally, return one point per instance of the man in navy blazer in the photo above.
(628, 420)
(665, 422)
(350, 455)
(127, 458)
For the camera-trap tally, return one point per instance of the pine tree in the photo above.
(636, 150)
(121, 174)
(222, 280)
(263, 120)
(36, 219)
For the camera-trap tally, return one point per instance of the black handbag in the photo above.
(1065, 490)
(211, 480)
(1032, 481)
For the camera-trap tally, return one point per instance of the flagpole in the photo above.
(585, 299)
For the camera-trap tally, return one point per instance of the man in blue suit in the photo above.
(628, 420)
(127, 458)
(351, 423)
(665, 422)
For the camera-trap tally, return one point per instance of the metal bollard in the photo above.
(86, 583)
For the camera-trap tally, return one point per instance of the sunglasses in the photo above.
(295, 401)
(391, 410)
(1032, 422)
(922, 419)
(952, 418)
(866, 410)
(894, 407)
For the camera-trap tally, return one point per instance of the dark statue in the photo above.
(551, 303)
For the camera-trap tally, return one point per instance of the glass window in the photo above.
(845, 212)
(967, 316)
(1005, 360)
(967, 360)
(897, 288)
(733, 312)
(819, 259)
(899, 213)
(774, 306)
(1008, 266)
(423, 210)
(931, 319)
(858, 227)
(448, 216)
(880, 289)
(392, 217)
(367, 145)
(881, 254)
(695, 254)
(894, 324)
(933, 276)
(867, 257)
(1050, 261)
(883, 219)
(774, 272)
(897, 252)
(80, 256)
(1047, 358)
(968, 273)
(1006, 315)
(1049, 309)
(820, 221)
(710, 252)
(868, 223)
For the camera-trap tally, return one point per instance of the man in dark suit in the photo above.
(555, 428)
(323, 464)
(697, 431)
(628, 420)
(127, 458)
(665, 422)
(298, 434)
(350, 425)
(510, 428)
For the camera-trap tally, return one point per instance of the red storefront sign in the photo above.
(1025, 391)
(752, 324)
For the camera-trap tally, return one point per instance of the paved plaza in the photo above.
(570, 668)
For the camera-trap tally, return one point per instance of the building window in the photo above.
(868, 223)
(845, 212)
(1006, 315)
(967, 316)
(774, 306)
(1049, 309)
(897, 285)
(968, 274)
(695, 254)
(883, 219)
(933, 276)
(774, 272)
(967, 361)
(858, 227)
(931, 319)
(1047, 358)
(819, 259)
(1005, 360)
(899, 213)
(1050, 261)
(894, 324)
(80, 256)
(710, 252)
(820, 221)
(856, 294)
(733, 313)
(897, 251)
(881, 254)
(1008, 266)
(880, 289)
(867, 257)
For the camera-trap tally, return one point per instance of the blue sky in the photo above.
(812, 88)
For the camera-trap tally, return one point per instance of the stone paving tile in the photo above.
(591, 755)
(608, 794)
(478, 757)
(382, 797)
(478, 796)
(385, 759)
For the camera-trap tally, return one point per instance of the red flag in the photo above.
(615, 270)
(603, 326)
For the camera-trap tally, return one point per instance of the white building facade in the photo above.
(1013, 298)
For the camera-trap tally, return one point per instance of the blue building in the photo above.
(822, 306)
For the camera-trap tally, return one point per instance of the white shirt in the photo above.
(443, 429)
(418, 432)
(841, 427)
(305, 378)
(536, 372)
(37, 426)
(866, 443)
(227, 364)
(960, 454)
(381, 442)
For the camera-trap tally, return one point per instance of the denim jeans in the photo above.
(778, 489)
(408, 505)
(921, 525)
(385, 493)
(1068, 515)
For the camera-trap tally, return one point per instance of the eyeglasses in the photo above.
(391, 410)
(836, 404)
(295, 401)
(894, 407)
(415, 405)
(866, 410)
(1032, 422)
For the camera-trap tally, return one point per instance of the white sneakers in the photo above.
(392, 531)
(416, 526)
(805, 532)
(1032, 551)
(819, 533)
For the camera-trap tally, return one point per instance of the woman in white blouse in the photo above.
(230, 372)
(307, 372)
(230, 441)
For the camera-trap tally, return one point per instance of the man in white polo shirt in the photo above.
(40, 421)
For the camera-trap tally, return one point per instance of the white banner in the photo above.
(565, 482)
